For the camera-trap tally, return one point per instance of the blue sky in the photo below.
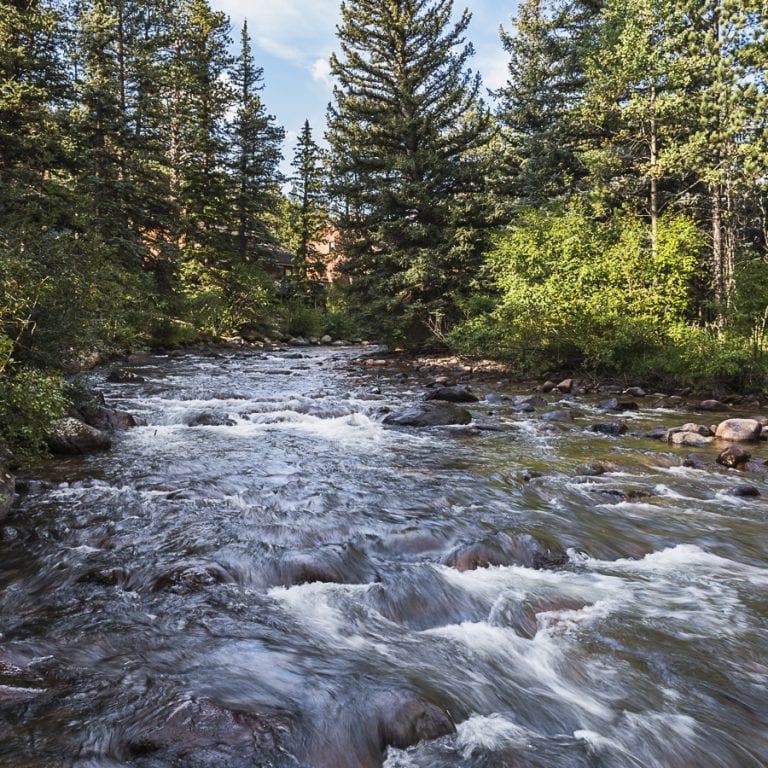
(293, 39)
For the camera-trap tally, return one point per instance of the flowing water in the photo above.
(273, 591)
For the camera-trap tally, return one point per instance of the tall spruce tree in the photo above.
(717, 61)
(309, 204)
(256, 146)
(200, 95)
(33, 90)
(406, 130)
(543, 138)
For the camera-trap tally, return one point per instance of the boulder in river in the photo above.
(562, 415)
(406, 720)
(565, 386)
(457, 394)
(739, 430)
(616, 405)
(744, 491)
(733, 456)
(470, 557)
(72, 437)
(635, 392)
(209, 419)
(521, 549)
(432, 414)
(612, 428)
(105, 419)
(121, 376)
(689, 439)
(333, 564)
(712, 405)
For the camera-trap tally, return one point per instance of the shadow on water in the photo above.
(265, 575)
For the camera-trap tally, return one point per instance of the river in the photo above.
(275, 591)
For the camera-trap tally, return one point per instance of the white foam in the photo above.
(489, 733)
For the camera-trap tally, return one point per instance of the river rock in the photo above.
(617, 405)
(198, 732)
(743, 491)
(72, 437)
(335, 564)
(733, 456)
(432, 414)
(690, 439)
(470, 557)
(521, 549)
(105, 419)
(536, 401)
(548, 386)
(326, 339)
(405, 720)
(712, 405)
(119, 376)
(612, 428)
(562, 415)
(739, 430)
(699, 429)
(565, 386)
(635, 392)
(208, 419)
(457, 394)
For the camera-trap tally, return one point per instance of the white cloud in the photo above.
(321, 71)
(494, 70)
(294, 30)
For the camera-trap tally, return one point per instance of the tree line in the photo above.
(606, 208)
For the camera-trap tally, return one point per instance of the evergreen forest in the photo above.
(605, 211)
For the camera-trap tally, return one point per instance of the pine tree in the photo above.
(256, 146)
(716, 54)
(406, 131)
(199, 97)
(629, 98)
(99, 127)
(310, 210)
(33, 90)
(544, 141)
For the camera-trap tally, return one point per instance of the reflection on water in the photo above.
(297, 586)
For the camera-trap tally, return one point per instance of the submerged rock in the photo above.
(432, 414)
(612, 428)
(457, 394)
(334, 564)
(743, 491)
(406, 720)
(118, 376)
(522, 549)
(72, 437)
(618, 406)
(208, 419)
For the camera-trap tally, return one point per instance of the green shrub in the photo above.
(304, 321)
(29, 402)
(579, 290)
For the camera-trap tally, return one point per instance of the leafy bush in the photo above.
(29, 402)
(304, 321)
(578, 290)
